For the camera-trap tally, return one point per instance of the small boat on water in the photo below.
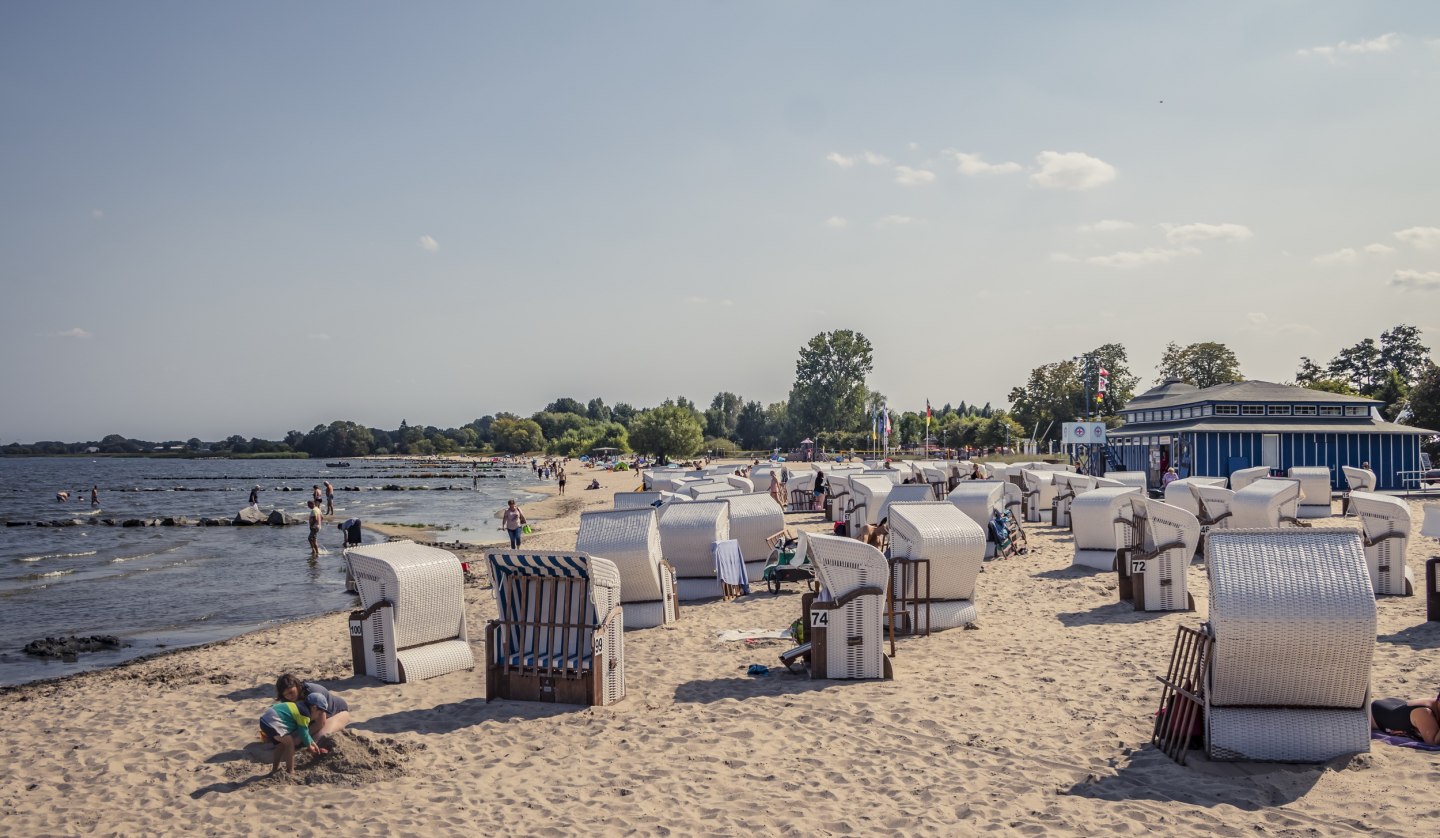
(337, 465)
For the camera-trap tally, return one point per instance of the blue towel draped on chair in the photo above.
(730, 564)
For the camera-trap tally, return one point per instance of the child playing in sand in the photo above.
(285, 724)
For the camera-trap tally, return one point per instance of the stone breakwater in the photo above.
(248, 517)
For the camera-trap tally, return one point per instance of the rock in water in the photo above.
(280, 519)
(251, 515)
(69, 647)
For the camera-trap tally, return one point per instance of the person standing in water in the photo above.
(94, 495)
(314, 528)
(329, 498)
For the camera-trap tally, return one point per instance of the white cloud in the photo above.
(840, 160)
(1344, 256)
(1071, 170)
(895, 221)
(836, 221)
(77, 333)
(428, 244)
(1378, 249)
(1182, 233)
(1423, 238)
(1137, 259)
(1256, 317)
(875, 159)
(1388, 42)
(1416, 280)
(318, 336)
(1109, 225)
(971, 165)
(906, 176)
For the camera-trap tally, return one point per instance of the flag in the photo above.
(1104, 371)
(886, 411)
(927, 410)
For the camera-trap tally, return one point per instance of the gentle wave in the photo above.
(47, 574)
(123, 559)
(57, 556)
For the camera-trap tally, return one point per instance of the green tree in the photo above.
(723, 418)
(668, 431)
(596, 410)
(566, 404)
(1000, 429)
(1360, 366)
(622, 413)
(517, 436)
(1424, 402)
(554, 425)
(1402, 351)
(1393, 391)
(750, 430)
(829, 391)
(1053, 395)
(1202, 364)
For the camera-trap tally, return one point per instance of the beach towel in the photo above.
(730, 564)
(1402, 741)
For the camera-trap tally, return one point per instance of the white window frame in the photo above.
(1227, 410)
(1305, 410)
(1331, 410)
(1277, 410)
(1356, 410)
(1252, 410)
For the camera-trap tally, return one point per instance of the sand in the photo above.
(1038, 722)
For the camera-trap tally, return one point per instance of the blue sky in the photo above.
(248, 218)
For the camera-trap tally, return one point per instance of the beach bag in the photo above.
(526, 529)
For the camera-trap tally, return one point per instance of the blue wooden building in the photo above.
(1217, 430)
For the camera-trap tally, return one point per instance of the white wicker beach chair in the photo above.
(412, 623)
(867, 494)
(847, 619)
(1387, 525)
(1356, 480)
(954, 545)
(637, 500)
(761, 476)
(1093, 517)
(754, 519)
(937, 477)
(1107, 483)
(1158, 565)
(560, 633)
(1293, 619)
(1240, 478)
(1068, 485)
(980, 500)
(908, 493)
(1039, 494)
(1129, 478)
(1178, 492)
(1265, 504)
(631, 539)
(1314, 490)
(1212, 505)
(744, 484)
(686, 532)
(712, 491)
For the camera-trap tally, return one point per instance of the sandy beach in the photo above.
(1037, 722)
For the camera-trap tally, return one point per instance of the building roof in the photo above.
(1244, 391)
(1259, 424)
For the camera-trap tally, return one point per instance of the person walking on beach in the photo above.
(562, 480)
(329, 498)
(777, 489)
(314, 527)
(513, 520)
(255, 495)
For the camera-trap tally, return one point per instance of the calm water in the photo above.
(162, 587)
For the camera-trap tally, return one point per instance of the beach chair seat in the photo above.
(1292, 617)
(845, 620)
(1314, 491)
(631, 539)
(980, 500)
(730, 569)
(1178, 493)
(952, 547)
(411, 625)
(1386, 526)
(1356, 480)
(1097, 535)
(560, 633)
(1039, 485)
(1155, 566)
(868, 494)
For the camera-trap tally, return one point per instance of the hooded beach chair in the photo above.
(1156, 567)
(1068, 485)
(845, 622)
(1039, 488)
(687, 531)
(744, 484)
(1135, 479)
(867, 496)
(1097, 535)
(411, 625)
(1240, 478)
(1265, 504)
(1314, 491)
(1356, 480)
(1212, 505)
(560, 633)
(1178, 492)
(754, 518)
(1292, 619)
(908, 493)
(1387, 524)
(980, 500)
(631, 539)
(638, 500)
(952, 547)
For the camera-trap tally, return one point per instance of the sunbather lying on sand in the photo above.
(1417, 719)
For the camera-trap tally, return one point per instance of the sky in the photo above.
(223, 219)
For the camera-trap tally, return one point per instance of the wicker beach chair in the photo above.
(638, 500)
(908, 493)
(1212, 505)
(1039, 495)
(744, 484)
(953, 545)
(631, 539)
(1097, 536)
(686, 532)
(867, 495)
(846, 619)
(1387, 525)
(411, 625)
(712, 491)
(1314, 491)
(560, 633)
(1240, 478)
(754, 518)
(1356, 480)
(1292, 616)
(980, 500)
(1134, 479)
(1265, 504)
(1178, 492)
(1158, 564)
(937, 477)
(1068, 485)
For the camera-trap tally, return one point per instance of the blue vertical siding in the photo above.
(1211, 453)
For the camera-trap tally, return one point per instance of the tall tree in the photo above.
(565, 404)
(516, 436)
(1052, 396)
(1312, 376)
(667, 431)
(723, 417)
(1112, 358)
(1425, 401)
(750, 427)
(1360, 366)
(829, 391)
(1402, 351)
(1202, 364)
(597, 411)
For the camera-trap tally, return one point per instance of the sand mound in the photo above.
(354, 760)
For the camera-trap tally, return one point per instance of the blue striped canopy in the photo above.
(525, 640)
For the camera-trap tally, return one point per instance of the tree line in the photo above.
(831, 403)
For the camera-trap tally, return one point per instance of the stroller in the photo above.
(787, 562)
(1005, 531)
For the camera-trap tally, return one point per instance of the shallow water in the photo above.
(162, 587)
